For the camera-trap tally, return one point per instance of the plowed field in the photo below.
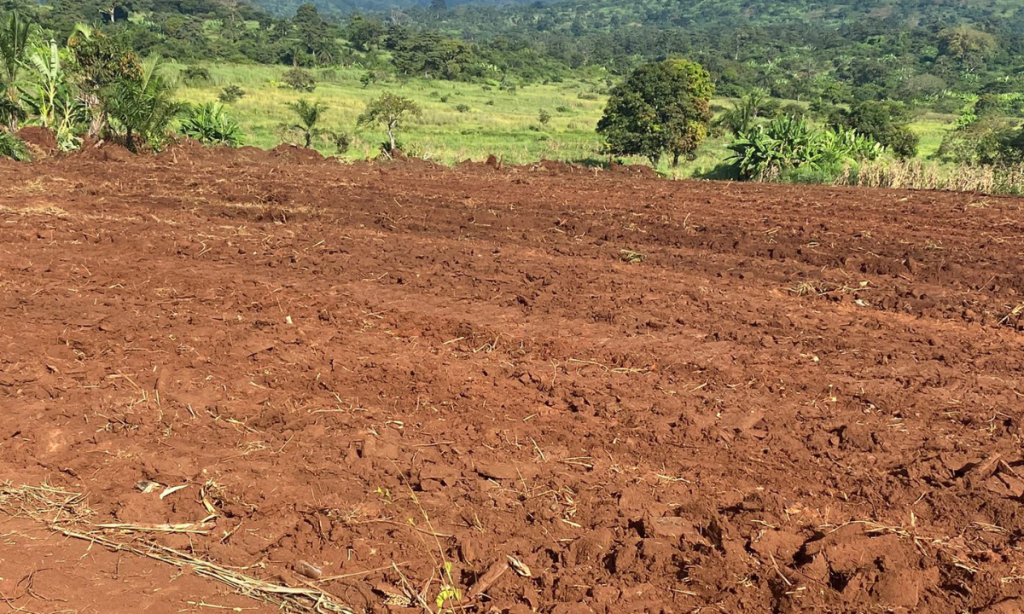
(542, 389)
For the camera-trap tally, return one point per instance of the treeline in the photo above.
(936, 54)
(797, 50)
(196, 31)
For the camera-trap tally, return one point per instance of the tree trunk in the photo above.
(675, 159)
(13, 124)
(391, 135)
(99, 117)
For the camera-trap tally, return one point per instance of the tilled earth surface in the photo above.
(654, 396)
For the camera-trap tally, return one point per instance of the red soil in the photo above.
(797, 399)
(41, 141)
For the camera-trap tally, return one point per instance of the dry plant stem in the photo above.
(60, 510)
(288, 598)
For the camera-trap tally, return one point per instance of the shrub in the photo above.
(1002, 148)
(13, 147)
(462, 108)
(563, 109)
(543, 116)
(208, 124)
(793, 110)
(231, 93)
(489, 103)
(195, 74)
(377, 76)
(300, 79)
(885, 122)
(445, 98)
(342, 140)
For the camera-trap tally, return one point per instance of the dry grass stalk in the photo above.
(288, 598)
(194, 528)
(43, 503)
(920, 175)
(66, 513)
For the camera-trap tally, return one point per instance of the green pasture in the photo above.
(459, 120)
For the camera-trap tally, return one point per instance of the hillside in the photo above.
(602, 14)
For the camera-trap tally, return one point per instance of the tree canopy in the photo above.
(389, 111)
(662, 107)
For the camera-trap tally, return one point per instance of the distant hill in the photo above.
(347, 7)
(592, 14)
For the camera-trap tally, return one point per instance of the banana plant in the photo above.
(51, 80)
(52, 99)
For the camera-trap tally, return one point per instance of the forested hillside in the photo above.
(911, 50)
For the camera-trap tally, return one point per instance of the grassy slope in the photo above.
(441, 133)
(508, 128)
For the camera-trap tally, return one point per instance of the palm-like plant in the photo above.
(208, 124)
(309, 115)
(141, 107)
(765, 151)
(740, 118)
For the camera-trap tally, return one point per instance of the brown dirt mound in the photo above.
(104, 152)
(471, 166)
(553, 167)
(654, 396)
(41, 141)
(297, 155)
(634, 170)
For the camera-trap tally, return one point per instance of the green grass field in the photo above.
(491, 121)
(496, 122)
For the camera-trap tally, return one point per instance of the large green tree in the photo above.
(662, 108)
(315, 34)
(364, 34)
(430, 55)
